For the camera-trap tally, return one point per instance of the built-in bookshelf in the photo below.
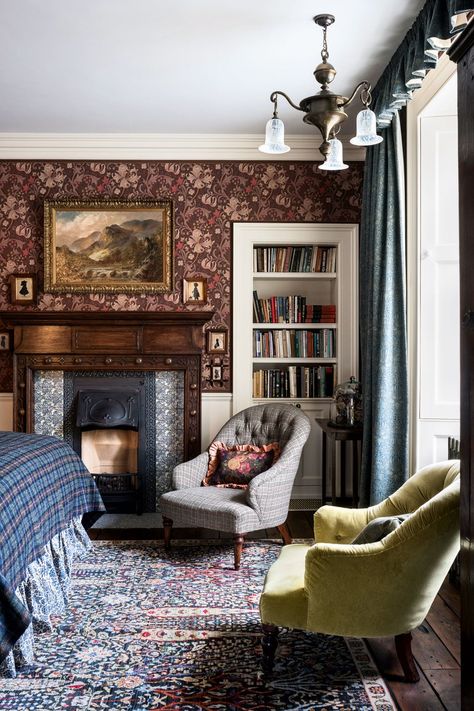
(295, 333)
(308, 258)
(294, 343)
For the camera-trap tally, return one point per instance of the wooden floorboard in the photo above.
(450, 594)
(446, 625)
(430, 651)
(409, 697)
(436, 643)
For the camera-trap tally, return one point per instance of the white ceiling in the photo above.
(181, 66)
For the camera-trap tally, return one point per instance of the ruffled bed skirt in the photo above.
(44, 592)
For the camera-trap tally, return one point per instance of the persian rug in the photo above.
(146, 629)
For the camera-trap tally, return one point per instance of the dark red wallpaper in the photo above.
(207, 196)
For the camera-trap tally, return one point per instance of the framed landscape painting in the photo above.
(111, 246)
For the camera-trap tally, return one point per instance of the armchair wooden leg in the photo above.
(238, 546)
(405, 657)
(269, 647)
(285, 533)
(167, 526)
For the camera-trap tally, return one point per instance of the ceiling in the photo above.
(181, 66)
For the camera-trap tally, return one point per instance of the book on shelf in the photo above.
(295, 381)
(288, 343)
(291, 309)
(303, 259)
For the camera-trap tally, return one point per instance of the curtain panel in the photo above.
(384, 360)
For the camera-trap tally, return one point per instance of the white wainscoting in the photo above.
(6, 412)
(433, 440)
(216, 410)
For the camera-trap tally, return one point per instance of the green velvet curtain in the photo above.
(382, 254)
(383, 320)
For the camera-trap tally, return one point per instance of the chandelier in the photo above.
(325, 110)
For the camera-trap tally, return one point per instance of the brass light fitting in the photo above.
(326, 111)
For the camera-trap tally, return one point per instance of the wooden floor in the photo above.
(436, 644)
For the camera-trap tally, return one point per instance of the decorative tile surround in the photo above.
(164, 427)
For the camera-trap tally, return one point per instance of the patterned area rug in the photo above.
(156, 631)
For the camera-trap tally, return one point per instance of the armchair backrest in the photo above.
(420, 488)
(262, 424)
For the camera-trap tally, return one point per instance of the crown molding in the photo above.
(158, 146)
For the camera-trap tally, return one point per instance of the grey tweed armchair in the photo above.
(265, 503)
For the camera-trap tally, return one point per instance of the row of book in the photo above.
(294, 259)
(291, 309)
(287, 343)
(296, 381)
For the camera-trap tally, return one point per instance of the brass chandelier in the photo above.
(326, 111)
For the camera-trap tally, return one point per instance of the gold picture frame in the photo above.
(216, 340)
(108, 246)
(195, 290)
(23, 289)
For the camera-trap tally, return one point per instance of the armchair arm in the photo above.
(269, 492)
(335, 524)
(367, 590)
(190, 474)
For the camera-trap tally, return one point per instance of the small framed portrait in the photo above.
(216, 372)
(216, 341)
(4, 341)
(23, 289)
(194, 290)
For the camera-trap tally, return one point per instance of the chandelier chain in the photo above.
(324, 51)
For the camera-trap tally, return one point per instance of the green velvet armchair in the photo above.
(374, 589)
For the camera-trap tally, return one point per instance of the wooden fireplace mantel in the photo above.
(103, 332)
(112, 341)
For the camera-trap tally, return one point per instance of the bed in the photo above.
(44, 491)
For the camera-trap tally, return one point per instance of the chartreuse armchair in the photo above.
(375, 589)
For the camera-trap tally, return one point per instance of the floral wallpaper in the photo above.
(207, 197)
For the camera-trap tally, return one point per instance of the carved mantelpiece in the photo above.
(131, 341)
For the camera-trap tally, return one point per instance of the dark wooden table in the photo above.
(342, 435)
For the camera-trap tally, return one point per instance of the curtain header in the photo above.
(431, 34)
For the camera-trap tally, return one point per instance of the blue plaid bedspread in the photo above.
(43, 486)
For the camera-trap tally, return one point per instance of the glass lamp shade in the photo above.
(274, 137)
(334, 156)
(366, 129)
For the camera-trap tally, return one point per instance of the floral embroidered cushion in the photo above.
(234, 466)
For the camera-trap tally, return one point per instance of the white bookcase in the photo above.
(339, 288)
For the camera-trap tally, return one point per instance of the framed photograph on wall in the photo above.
(23, 289)
(216, 372)
(110, 246)
(4, 341)
(216, 341)
(194, 290)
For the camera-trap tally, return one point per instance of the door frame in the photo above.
(433, 82)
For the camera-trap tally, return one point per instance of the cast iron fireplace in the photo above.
(109, 434)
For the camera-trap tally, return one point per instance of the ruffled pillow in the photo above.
(235, 465)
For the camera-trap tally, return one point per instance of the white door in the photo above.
(438, 318)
